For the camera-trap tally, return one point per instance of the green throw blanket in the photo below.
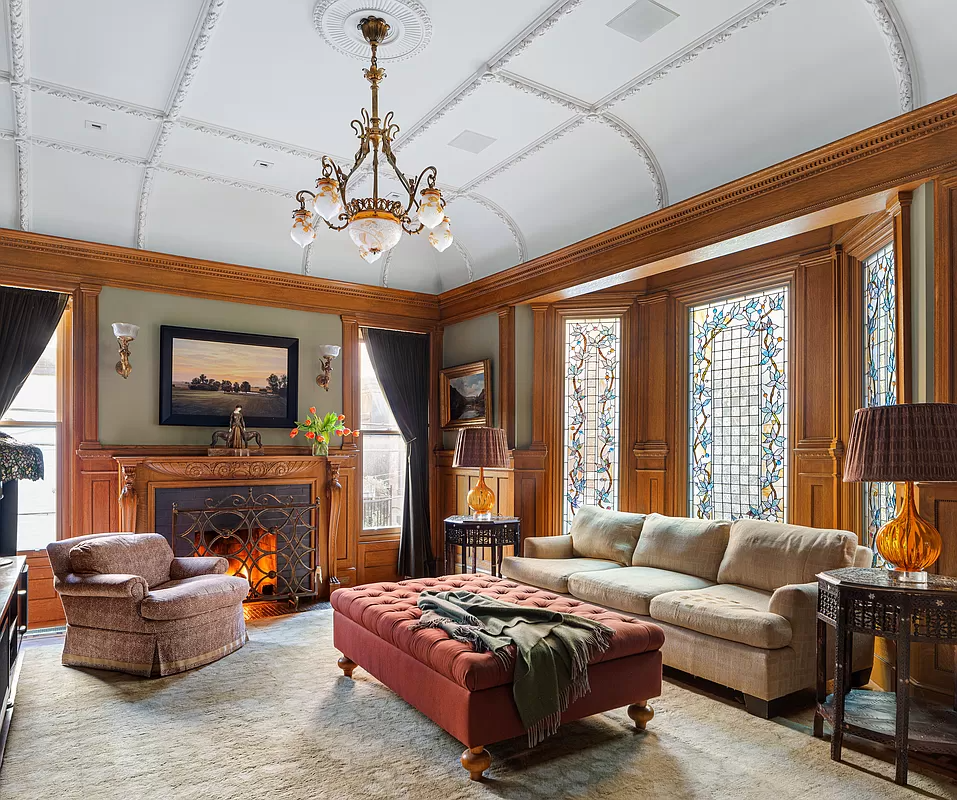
(552, 650)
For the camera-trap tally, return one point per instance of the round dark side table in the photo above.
(471, 533)
(876, 602)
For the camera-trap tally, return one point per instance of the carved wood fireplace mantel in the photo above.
(141, 475)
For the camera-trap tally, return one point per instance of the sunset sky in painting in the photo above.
(221, 361)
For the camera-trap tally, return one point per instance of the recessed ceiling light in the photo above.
(472, 142)
(642, 19)
(93, 125)
(263, 164)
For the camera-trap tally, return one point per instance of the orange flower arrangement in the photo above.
(321, 430)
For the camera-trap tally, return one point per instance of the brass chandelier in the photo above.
(375, 223)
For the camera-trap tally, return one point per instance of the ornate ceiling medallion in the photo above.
(375, 223)
(410, 28)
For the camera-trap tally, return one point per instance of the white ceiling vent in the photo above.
(263, 164)
(642, 19)
(472, 142)
(93, 125)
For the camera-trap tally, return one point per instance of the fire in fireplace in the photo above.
(251, 554)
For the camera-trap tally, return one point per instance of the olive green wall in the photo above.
(922, 294)
(472, 340)
(129, 409)
(524, 370)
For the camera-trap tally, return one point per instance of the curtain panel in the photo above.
(401, 363)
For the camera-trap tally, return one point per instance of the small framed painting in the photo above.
(205, 374)
(466, 395)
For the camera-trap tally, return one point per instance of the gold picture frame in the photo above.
(465, 394)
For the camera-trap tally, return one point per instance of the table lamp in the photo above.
(481, 447)
(908, 442)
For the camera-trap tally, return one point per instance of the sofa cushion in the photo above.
(145, 554)
(768, 555)
(610, 535)
(692, 546)
(191, 596)
(630, 588)
(737, 613)
(551, 573)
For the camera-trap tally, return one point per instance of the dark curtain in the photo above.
(28, 319)
(401, 363)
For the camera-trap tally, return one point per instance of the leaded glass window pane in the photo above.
(880, 369)
(591, 414)
(739, 407)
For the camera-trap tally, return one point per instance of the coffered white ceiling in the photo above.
(142, 124)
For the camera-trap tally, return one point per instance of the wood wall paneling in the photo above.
(945, 284)
(506, 372)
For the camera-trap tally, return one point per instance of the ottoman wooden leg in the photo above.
(476, 760)
(641, 713)
(347, 665)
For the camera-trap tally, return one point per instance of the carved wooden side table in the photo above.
(876, 602)
(471, 533)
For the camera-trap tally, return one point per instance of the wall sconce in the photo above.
(327, 352)
(125, 332)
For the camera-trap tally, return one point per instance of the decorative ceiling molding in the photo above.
(222, 180)
(255, 141)
(307, 259)
(686, 55)
(74, 96)
(466, 257)
(202, 37)
(409, 18)
(506, 218)
(631, 136)
(542, 92)
(386, 263)
(7, 136)
(905, 69)
(540, 27)
(19, 57)
(63, 147)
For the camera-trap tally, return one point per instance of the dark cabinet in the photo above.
(13, 625)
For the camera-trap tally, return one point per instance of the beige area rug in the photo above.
(277, 721)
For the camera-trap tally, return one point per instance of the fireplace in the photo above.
(266, 534)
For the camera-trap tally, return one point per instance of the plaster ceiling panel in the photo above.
(334, 256)
(419, 267)
(586, 59)
(208, 153)
(299, 89)
(8, 184)
(114, 48)
(510, 117)
(66, 121)
(930, 26)
(6, 65)
(488, 239)
(554, 195)
(6, 108)
(85, 198)
(720, 117)
(201, 219)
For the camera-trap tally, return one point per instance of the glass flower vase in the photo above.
(320, 448)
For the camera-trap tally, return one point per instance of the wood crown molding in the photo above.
(52, 262)
(907, 148)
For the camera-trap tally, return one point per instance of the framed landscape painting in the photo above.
(466, 395)
(205, 374)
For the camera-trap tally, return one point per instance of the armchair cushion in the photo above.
(692, 546)
(189, 597)
(609, 535)
(768, 555)
(145, 554)
(195, 566)
(130, 586)
(549, 547)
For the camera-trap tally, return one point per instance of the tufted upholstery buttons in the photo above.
(389, 610)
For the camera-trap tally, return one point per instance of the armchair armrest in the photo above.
(129, 586)
(549, 547)
(194, 566)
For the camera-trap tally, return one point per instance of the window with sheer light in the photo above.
(383, 453)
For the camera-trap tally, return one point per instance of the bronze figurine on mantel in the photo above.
(236, 439)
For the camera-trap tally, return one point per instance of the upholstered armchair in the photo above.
(132, 607)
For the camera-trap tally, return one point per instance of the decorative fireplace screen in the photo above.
(268, 539)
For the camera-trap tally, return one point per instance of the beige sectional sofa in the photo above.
(737, 601)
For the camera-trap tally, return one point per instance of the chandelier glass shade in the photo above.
(375, 223)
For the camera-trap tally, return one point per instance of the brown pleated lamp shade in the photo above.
(481, 447)
(907, 442)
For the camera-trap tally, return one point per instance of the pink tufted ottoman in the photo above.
(470, 694)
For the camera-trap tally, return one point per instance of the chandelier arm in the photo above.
(301, 196)
(406, 221)
(343, 226)
(430, 173)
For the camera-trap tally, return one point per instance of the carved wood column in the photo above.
(945, 283)
(351, 389)
(83, 423)
(334, 499)
(128, 500)
(900, 209)
(506, 373)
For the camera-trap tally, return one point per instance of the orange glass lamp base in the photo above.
(481, 498)
(909, 542)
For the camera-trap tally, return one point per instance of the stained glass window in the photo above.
(591, 414)
(738, 407)
(880, 369)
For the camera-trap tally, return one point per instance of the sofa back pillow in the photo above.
(692, 546)
(145, 554)
(610, 535)
(769, 555)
